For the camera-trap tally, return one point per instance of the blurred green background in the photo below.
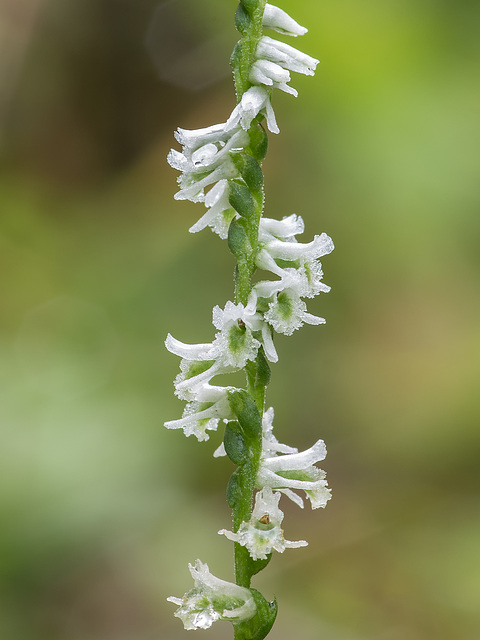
(100, 507)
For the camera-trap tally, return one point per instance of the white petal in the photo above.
(268, 344)
(297, 461)
(294, 497)
(278, 20)
(201, 351)
(253, 101)
(195, 191)
(286, 56)
(220, 451)
(177, 160)
(320, 246)
(311, 319)
(288, 227)
(195, 138)
(267, 72)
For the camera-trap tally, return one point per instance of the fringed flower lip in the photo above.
(263, 534)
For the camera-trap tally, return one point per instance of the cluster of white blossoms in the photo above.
(207, 156)
(241, 332)
(210, 173)
(283, 469)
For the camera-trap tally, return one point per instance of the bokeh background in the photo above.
(100, 507)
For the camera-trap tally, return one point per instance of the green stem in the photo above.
(248, 45)
(244, 57)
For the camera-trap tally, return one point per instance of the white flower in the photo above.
(234, 345)
(212, 599)
(192, 139)
(197, 367)
(235, 340)
(288, 312)
(271, 75)
(320, 246)
(286, 56)
(219, 214)
(296, 471)
(198, 417)
(204, 159)
(278, 20)
(254, 101)
(284, 229)
(237, 324)
(263, 532)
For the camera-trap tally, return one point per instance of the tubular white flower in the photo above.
(254, 101)
(306, 281)
(192, 139)
(320, 246)
(271, 75)
(212, 599)
(202, 148)
(203, 351)
(193, 188)
(285, 229)
(302, 279)
(200, 417)
(286, 56)
(278, 20)
(219, 214)
(296, 471)
(263, 533)
(204, 159)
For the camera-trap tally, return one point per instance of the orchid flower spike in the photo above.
(221, 167)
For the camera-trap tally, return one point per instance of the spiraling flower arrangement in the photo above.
(220, 166)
